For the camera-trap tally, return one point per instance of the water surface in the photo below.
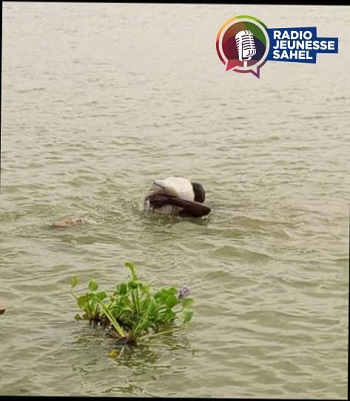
(100, 99)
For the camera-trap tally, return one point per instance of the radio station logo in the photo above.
(244, 44)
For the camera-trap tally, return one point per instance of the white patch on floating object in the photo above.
(175, 186)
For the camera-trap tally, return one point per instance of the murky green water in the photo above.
(99, 99)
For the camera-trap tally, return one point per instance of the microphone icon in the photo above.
(245, 46)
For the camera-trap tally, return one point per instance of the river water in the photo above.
(100, 99)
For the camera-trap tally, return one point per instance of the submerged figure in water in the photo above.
(177, 196)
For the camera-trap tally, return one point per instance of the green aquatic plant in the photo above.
(133, 311)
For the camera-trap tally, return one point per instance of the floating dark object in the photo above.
(177, 196)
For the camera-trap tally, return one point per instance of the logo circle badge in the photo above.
(242, 44)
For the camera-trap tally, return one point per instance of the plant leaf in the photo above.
(74, 281)
(133, 284)
(171, 300)
(82, 302)
(131, 266)
(122, 289)
(101, 295)
(187, 315)
(187, 302)
(93, 285)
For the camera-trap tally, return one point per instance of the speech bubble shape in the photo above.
(255, 71)
(229, 56)
(231, 64)
(234, 65)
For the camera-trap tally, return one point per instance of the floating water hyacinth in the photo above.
(133, 311)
